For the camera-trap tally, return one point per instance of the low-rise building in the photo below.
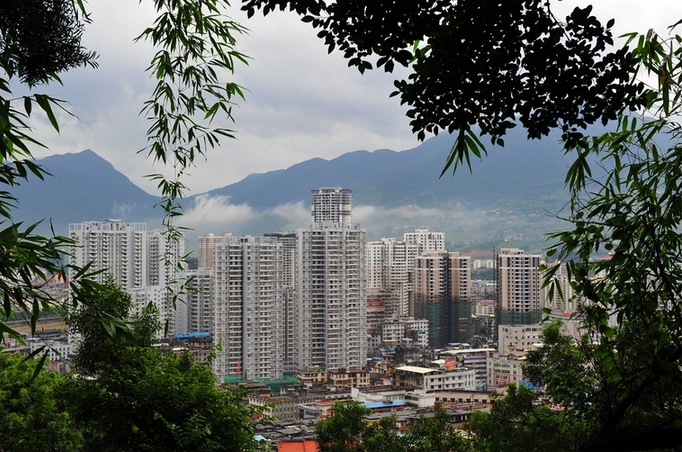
(411, 376)
(504, 370)
(475, 359)
(353, 378)
(518, 337)
(433, 380)
(448, 381)
(311, 376)
(283, 408)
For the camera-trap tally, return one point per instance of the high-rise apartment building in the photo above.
(206, 248)
(145, 264)
(518, 287)
(330, 313)
(288, 241)
(390, 263)
(200, 300)
(426, 240)
(442, 295)
(117, 249)
(249, 308)
(563, 300)
(390, 267)
(333, 205)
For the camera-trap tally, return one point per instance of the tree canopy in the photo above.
(32, 415)
(134, 397)
(482, 67)
(39, 39)
(488, 64)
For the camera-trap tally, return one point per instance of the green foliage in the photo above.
(196, 46)
(344, 430)
(632, 296)
(40, 38)
(348, 430)
(100, 317)
(133, 397)
(518, 422)
(489, 64)
(436, 434)
(31, 415)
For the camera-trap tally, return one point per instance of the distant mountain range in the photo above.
(507, 196)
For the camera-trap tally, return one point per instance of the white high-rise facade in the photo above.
(200, 301)
(330, 312)
(333, 205)
(143, 263)
(249, 307)
(518, 287)
(389, 265)
(426, 240)
(117, 249)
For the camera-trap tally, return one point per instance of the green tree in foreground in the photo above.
(39, 39)
(128, 397)
(32, 415)
(348, 430)
(632, 296)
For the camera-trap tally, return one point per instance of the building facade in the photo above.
(390, 263)
(442, 295)
(144, 263)
(518, 287)
(330, 312)
(248, 308)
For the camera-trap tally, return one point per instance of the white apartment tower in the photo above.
(330, 314)
(331, 205)
(248, 308)
(426, 240)
(143, 263)
(389, 265)
(116, 248)
(518, 287)
(200, 301)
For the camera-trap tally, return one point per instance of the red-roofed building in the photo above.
(306, 445)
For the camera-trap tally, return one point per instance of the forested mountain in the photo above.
(511, 195)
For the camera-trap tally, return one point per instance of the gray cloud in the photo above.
(302, 103)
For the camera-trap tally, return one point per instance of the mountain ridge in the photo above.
(524, 178)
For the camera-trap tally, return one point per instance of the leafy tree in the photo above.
(632, 297)
(348, 430)
(40, 39)
(32, 417)
(436, 434)
(136, 398)
(518, 421)
(484, 63)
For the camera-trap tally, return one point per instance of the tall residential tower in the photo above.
(518, 287)
(330, 313)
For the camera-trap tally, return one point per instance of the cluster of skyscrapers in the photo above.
(285, 301)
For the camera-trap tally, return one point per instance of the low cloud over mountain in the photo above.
(510, 195)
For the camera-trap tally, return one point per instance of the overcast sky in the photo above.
(301, 102)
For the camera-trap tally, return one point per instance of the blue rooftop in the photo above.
(374, 405)
(191, 335)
